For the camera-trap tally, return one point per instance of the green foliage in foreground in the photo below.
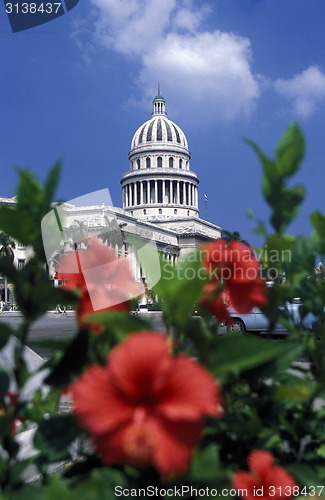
(270, 401)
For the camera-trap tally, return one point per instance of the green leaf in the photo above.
(289, 351)
(286, 206)
(41, 405)
(205, 464)
(46, 296)
(290, 151)
(119, 324)
(235, 354)
(56, 488)
(8, 269)
(54, 435)
(318, 222)
(321, 451)
(26, 493)
(17, 224)
(52, 181)
(17, 471)
(5, 333)
(50, 344)
(4, 385)
(100, 485)
(72, 362)
(296, 390)
(180, 287)
(306, 475)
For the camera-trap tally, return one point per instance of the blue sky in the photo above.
(78, 87)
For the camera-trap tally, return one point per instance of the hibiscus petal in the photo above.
(132, 444)
(175, 442)
(97, 405)
(260, 461)
(279, 477)
(111, 448)
(245, 483)
(139, 365)
(189, 393)
(96, 254)
(245, 296)
(214, 253)
(215, 306)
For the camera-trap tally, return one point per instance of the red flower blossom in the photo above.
(146, 407)
(11, 401)
(271, 480)
(235, 279)
(104, 281)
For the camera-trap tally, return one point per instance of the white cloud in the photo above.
(132, 27)
(305, 91)
(209, 73)
(207, 70)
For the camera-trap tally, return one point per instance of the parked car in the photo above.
(256, 321)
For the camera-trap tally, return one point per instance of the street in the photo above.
(58, 326)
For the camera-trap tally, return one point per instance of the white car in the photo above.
(256, 321)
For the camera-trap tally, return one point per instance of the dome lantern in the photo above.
(159, 104)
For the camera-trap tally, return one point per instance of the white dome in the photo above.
(159, 129)
(160, 183)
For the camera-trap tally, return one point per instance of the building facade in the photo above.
(159, 198)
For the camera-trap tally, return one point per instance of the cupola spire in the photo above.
(159, 104)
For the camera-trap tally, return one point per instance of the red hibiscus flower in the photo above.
(146, 407)
(235, 279)
(11, 401)
(271, 480)
(104, 281)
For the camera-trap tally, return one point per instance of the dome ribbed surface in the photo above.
(159, 130)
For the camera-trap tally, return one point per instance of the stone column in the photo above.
(163, 191)
(141, 192)
(156, 192)
(177, 193)
(136, 193)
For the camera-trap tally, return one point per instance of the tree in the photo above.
(7, 246)
(113, 234)
(233, 236)
(79, 232)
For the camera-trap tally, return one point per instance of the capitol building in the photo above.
(159, 197)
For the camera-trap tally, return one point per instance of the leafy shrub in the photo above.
(186, 417)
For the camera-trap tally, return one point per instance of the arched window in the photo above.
(148, 162)
(144, 211)
(180, 163)
(138, 163)
(159, 211)
(159, 162)
(175, 211)
(171, 162)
